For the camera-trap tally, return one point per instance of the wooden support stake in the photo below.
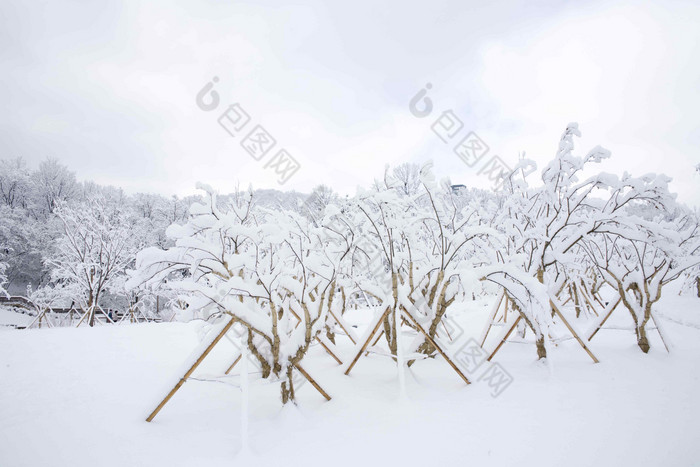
(658, 329)
(437, 347)
(106, 315)
(317, 338)
(446, 330)
(238, 359)
(328, 350)
(369, 338)
(312, 381)
(347, 333)
(504, 339)
(571, 330)
(82, 319)
(584, 294)
(379, 336)
(604, 320)
(191, 370)
(595, 297)
(36, 319)
(492, 316)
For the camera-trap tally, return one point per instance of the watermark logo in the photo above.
(284, 165)
(421, 106)
(298, 380)
(473, 360)
(212, 102)
(453, 330)
(258, 142)
(447, 126)
(233, 119)
(497, 378)
(496, 171)
(471, 149)
(471, 356)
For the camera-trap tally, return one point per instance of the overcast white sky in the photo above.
(109, 88)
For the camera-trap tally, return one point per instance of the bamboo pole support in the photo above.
(37, 319)
(325, 347)
(106, 315)
(312, 381)
(574, 333)
(492, 316)
(437, 347)
(379, 336)
(658, 329)
(446, 330)
(504, 339)
(328, 350)
(587, 299)
(604, 320)
(235, 362)
(347, 333)
(82, 319)
(191, 370)
(369, 338)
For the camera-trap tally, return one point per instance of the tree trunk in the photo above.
(642, 340)
(390, 319)
(91, 310)
(426, 347)
(390, 331)
(697, 284)
(539, 342)
(287, 388)
(342, 294)
(541, 350)
(330, 334)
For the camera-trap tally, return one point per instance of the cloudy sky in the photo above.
(110, 88)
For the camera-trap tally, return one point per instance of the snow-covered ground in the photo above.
(11, 319)
(79, 397)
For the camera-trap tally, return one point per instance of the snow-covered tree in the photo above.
(95, 247)
(53, 184)
(447, 252)
(15, 183)
(408, 177)
(24, 241)
(638, 258)
(315, 205)
(272, 272)
(545, 225)
(3, 277)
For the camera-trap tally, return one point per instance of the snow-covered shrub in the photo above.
(270, 271)
(545, 225)
(638, 257)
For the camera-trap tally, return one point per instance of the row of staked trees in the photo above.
(412, 245)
